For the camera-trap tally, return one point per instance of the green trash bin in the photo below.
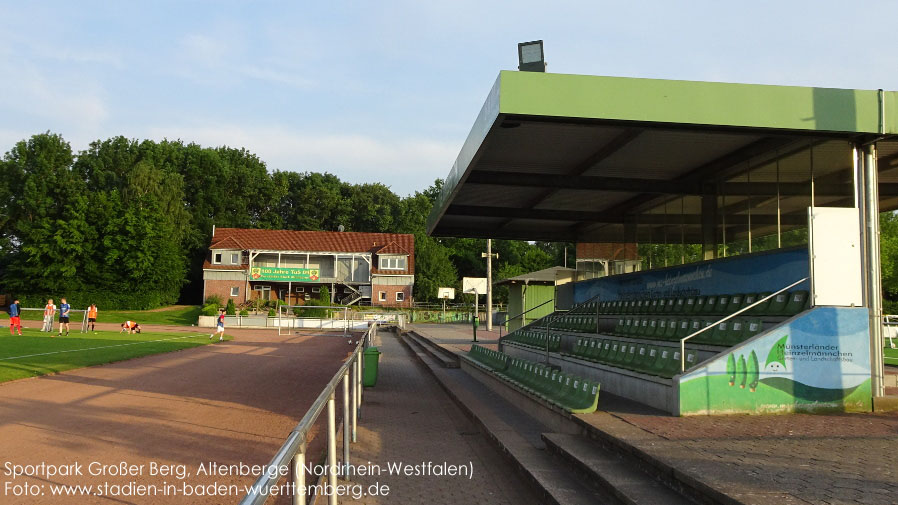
(369, 374)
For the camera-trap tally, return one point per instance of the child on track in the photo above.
(220, 326)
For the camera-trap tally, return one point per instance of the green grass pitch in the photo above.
(36, 353)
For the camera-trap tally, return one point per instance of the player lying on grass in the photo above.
(130, 327)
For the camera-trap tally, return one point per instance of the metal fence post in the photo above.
(299, 475)
(346, 427)
(359, 380)
(331, 451)
(355, 395)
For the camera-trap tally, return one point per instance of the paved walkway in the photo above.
(457, 337)
(820, 459)
(224, 403)
(407, 418)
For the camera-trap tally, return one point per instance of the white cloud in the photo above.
(406, 165)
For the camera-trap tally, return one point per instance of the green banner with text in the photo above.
(284, 274)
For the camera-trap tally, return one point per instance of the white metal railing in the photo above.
(890, 328)
(292, 453)
(734, 314)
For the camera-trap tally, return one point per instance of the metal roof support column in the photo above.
(709, 224)
(631, 229)
(874, 268)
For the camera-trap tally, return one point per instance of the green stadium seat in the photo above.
(691, 358)
(661, 332)
(651, 329)
(705, 337)
(710, 305)
(669, 362)
(752, 328)
(761, 308)
(593, 349)
(642, 353)
(798, 302)
(680, 305)
(630, 356)
(618, 353)
(777, 305)
(699, 305)
(650, 360)
(735, 303)
(723, 303)
(689, 306)
(671, 330)
(586, 401)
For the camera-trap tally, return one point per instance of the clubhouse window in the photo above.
(235, 258)
(216, 258)
(393, 262)
(382, 296)
(235, 291)
(400, 296)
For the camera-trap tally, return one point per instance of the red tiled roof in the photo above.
(392, 248)
(228, 242)
(319, 241)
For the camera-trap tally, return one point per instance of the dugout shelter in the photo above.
(736, 192)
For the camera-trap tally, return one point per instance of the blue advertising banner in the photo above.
(818, 361)
(750, 273)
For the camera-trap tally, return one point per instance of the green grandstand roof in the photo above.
(573, 157)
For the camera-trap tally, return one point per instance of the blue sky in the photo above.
(386, 91)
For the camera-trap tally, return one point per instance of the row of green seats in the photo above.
(783, 304)
(729, 332)
(575, 322)
(575, 394)
(494, 360)
(589, 307)
(535, 338)
(658, 360)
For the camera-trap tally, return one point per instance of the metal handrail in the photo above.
(507, 319)
(734, 314)
(294, 448)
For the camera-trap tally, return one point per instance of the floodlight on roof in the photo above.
(531, 57)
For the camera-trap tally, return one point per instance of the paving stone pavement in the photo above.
(821, 459)
(407, 418)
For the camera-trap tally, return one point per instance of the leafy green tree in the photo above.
(433, 269)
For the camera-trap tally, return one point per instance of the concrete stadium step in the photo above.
(630, 485)
(445, 358)
(517, 435)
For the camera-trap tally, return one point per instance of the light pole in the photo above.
(489, 282)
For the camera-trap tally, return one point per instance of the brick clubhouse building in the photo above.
(292, 266)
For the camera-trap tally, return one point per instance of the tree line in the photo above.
(127, 223)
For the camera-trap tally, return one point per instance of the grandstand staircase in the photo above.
(441, 356)
(564, 464)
